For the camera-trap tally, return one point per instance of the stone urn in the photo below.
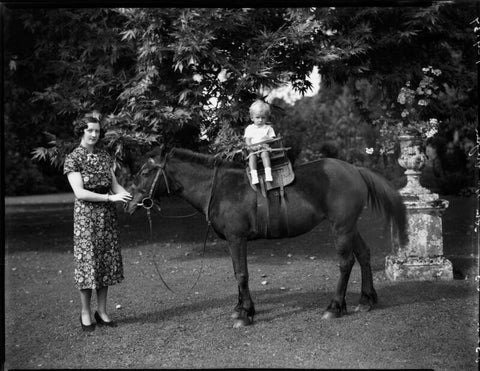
(413, 159)
(422, 258)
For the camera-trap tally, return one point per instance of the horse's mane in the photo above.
(209, 161)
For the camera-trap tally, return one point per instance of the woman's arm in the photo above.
(116, 187)
(76, 182)
(120, 194)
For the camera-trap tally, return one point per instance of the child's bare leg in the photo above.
(266, 164)
(252, 162)
(265, 159)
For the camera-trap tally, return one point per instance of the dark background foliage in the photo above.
(185, 77)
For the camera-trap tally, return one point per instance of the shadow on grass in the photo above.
(274, 304)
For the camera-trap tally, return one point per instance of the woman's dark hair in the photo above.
(81, 124)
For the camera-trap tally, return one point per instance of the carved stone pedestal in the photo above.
(422, 258)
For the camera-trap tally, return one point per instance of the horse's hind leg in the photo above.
(344, 247)
(369, 297)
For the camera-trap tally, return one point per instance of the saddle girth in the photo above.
(272, 213)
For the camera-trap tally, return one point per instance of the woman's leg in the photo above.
(102, 303)
(85, 298)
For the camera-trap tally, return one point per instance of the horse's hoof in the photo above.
(235, 315)
(329, 315)
(363, 308)
(242, 323)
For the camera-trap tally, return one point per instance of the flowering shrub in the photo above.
(411, 113)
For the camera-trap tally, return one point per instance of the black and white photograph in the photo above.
(280, 186)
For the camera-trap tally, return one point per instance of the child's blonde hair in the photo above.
(259, 106)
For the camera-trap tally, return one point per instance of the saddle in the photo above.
(272, 217)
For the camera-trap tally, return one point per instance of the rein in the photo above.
(148, 203)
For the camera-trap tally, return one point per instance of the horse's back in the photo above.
(324, 189)
(334, 186)
(332, 175)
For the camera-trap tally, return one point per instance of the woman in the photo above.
(98, 260)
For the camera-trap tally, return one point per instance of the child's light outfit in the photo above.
(259, 134)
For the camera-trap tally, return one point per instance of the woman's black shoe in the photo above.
(86, 328)
(101, 322)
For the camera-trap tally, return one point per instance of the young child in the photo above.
(258, 132)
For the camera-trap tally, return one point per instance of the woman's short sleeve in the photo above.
(71, 164)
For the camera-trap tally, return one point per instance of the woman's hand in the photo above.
(123, 196)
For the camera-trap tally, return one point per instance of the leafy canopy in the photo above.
(186, 76)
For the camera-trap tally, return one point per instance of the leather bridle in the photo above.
(149, 202)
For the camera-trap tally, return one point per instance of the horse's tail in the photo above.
(383, 197)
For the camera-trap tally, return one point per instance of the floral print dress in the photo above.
(97, 255)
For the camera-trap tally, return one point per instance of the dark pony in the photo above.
(327, 189)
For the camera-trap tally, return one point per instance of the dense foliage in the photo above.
(186, 76)
(411, 113)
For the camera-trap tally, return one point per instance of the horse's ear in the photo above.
(161, 150)
(162, 155)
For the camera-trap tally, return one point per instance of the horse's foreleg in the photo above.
(244, 310)
(369, 297)
(338, 306)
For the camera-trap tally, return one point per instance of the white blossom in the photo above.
(197, 77)
(431, 133)
(223, 75)
(369, 151)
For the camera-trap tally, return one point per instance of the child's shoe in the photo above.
(268, 174)
(254, 175)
